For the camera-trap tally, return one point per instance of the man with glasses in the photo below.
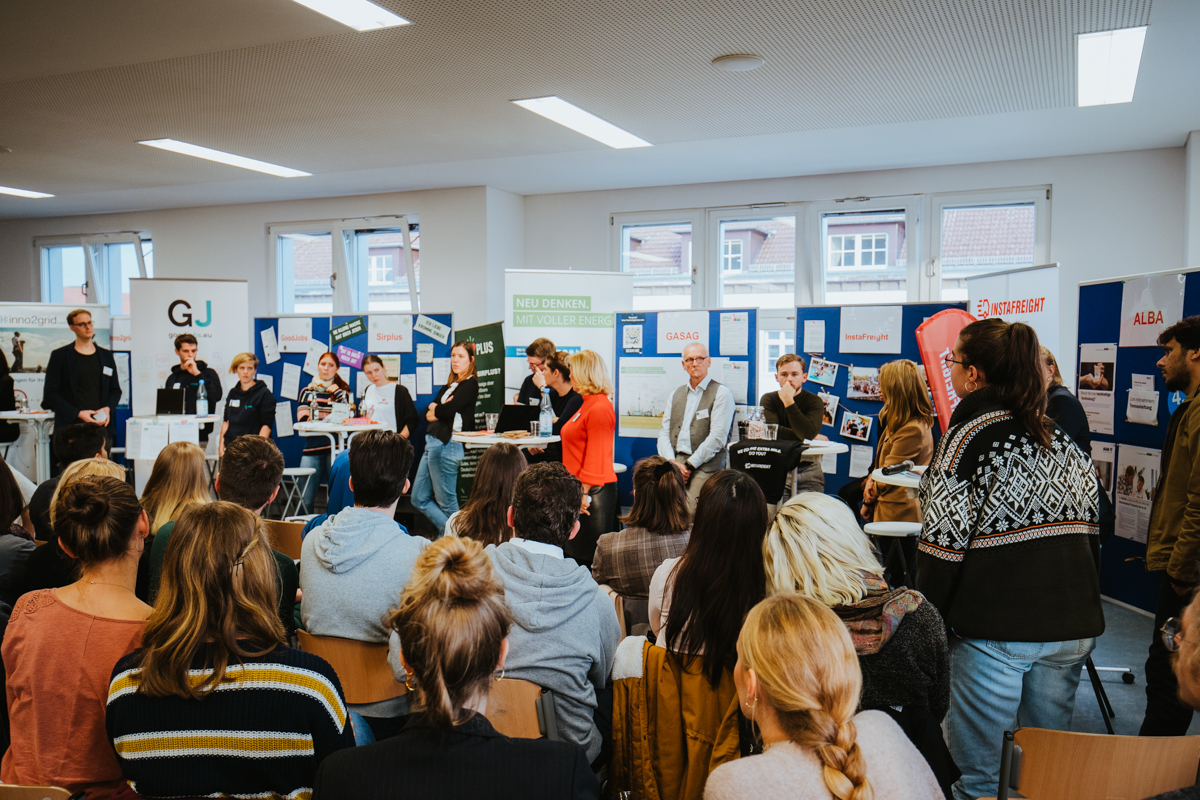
(537, 354)
(1173, 539)
(81, 379)
(696, 425)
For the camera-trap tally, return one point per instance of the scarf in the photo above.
(874, 619)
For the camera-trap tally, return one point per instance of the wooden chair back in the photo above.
(520, 710)
(361, 667)
(618, 606)
(284, 536)
(35, 793)
(1059, 765)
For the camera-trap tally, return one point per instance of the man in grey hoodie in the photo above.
(355, 564)
(566, 632)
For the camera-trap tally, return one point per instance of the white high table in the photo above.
(339, 435)
(815, 449)
(909, 479)
(41, 422)
(484, 442)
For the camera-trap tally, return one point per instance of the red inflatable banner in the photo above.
(935, 340)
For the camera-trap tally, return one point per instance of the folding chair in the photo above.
(361, 667)
(293, 486)
(522, 710)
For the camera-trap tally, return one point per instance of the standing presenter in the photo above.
(81, 379)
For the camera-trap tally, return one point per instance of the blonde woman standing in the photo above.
(798, 681)
(587, 447)
(906, 434)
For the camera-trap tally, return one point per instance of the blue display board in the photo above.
(913, 315)
(293, 446)
(628, 450)
(1123, 574)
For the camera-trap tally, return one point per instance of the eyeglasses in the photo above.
(950, 360)
(1172, 635)
(696, 360)
(83, 324)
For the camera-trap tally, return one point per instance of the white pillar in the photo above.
(1191, 203)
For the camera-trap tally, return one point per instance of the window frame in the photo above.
(700, 254)
(815, 245)
(95, 260)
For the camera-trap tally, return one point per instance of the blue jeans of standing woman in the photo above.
(995, 686)
(435, 493)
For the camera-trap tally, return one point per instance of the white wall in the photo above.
(505, 244)
(1110, 215)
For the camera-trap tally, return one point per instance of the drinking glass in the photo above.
(535, 428)
(490, 422)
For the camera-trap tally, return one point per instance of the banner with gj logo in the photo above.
(489, 363)
(215, 312)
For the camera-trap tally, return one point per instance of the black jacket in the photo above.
(9, 431)
(462, 402)
(247, 412)
(61, 390)
(180, 379)
(473, 761)
(1065, 409)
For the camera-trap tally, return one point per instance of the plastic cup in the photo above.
(490, 421)
(772, 430)
(535, 428)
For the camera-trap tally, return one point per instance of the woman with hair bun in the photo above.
(453, 624)
(657, 528)
(61, 644)
(1009, 550)
(798, 681)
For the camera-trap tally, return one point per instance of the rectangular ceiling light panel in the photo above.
(1108, 65)
(585, 122)
(358, 14)
(23, 192)
(224, 158)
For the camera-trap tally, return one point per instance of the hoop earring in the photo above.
(501, 675)
(970, 388)
(408, 681)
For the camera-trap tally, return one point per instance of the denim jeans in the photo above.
(320, 462)
(996, 686)
(362, 731)
(435, 493)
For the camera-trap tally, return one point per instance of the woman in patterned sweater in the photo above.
(214, 704)
(1008, 551)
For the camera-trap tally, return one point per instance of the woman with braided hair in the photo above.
(798, 681)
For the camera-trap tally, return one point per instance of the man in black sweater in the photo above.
(798, 414)
(189, 372)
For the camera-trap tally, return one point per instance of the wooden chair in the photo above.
(38, 793)
(618, 606)
(362, 667)
(522, 710)
(1058, 765)
(284, 536)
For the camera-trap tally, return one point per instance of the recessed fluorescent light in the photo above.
(1108, 65)
(225, 158)
(358, 14)
(22, 192)
(587, 123)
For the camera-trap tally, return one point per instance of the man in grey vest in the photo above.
(696, 425)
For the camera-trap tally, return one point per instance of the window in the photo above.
(386, 286)
(660, 258)
(731, 258)
(976, 240)
(381, 270)
(306, 262)
(64, 274)
(865, 256)
(758, 262)
(109, 259)
(771, 345)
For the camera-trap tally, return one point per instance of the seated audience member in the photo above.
(340, 494)
(353, 567)
(72, 443)
(656, 529)
(566, 631)
(453, 623)
(817, 549)
(61, 644)
(48, 566)
(485, 516)
(698, 601)
(16, 547)
(1181, 637)
(213, 703)
(249, 477)
(798, 682)
(179, 479)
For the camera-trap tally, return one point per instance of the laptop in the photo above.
(170, 401)
(516, 418)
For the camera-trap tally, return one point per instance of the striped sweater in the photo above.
(261, 734)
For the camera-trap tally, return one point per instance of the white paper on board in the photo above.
(1104, 454)
(441, 370)
(1136, 481)
(313, 356)
(269, 380)
(1149, 305)
(829, 463)
(283, 419)
(294, 333)
(735, 375)
(814, 336)
(391, 364)
(678, 329)
(155, 436)
(860, 460)
(392, 333)
(409, 381)
(1097, 371)
(424, 380)
(270, 345)
(122, 360)
(425, 353)
(1142, 407)
(1143, 382)
(871, 329)
(735, 333)
(433, 329)
(184, 430)
(290, 387)
(133, 438)
(344, 374)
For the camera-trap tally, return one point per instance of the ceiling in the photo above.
(848, 85)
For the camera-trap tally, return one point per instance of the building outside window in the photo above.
(865, 257)
(731, 255)
(660, 259)
(977, 240)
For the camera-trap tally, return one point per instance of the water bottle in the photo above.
(546, 415)
(201, 400)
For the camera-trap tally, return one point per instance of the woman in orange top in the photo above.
(61, 644)
(587, 445)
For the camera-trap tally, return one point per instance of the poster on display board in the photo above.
(1097, 373)
(870, 329)
(216, 312)
(1149, 305)
(572, 308)
(29, 332)
(1028, 295)
(1137, 481)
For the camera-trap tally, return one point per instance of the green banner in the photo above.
(346, 330)
(489, 364)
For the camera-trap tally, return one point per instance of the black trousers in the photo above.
(1166, 714)
(600, 519)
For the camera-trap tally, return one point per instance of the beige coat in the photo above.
(913, 442)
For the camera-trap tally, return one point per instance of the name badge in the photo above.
(702, 414)
(535, 402)
(235, 403)
(577, 413)
(108, 371)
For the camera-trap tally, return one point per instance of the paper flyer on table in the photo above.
(270, 344)
(1137, 477)
(294, 333)
(290, 385)
(735, 333)
(433, 329)
(1097, 368)
(735, 375)
(283, 419)
(1142, 407)
(184, 430)
(1104, 454)
(155, 436)
(424, 380)
(313, 356)
(814, 336)
(425, 353)
(441, 371)
(860, 460)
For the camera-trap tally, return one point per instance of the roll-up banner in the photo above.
(935, 339)
(489, 363)
(572, 308)
(1028, 295)
(217, 313)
